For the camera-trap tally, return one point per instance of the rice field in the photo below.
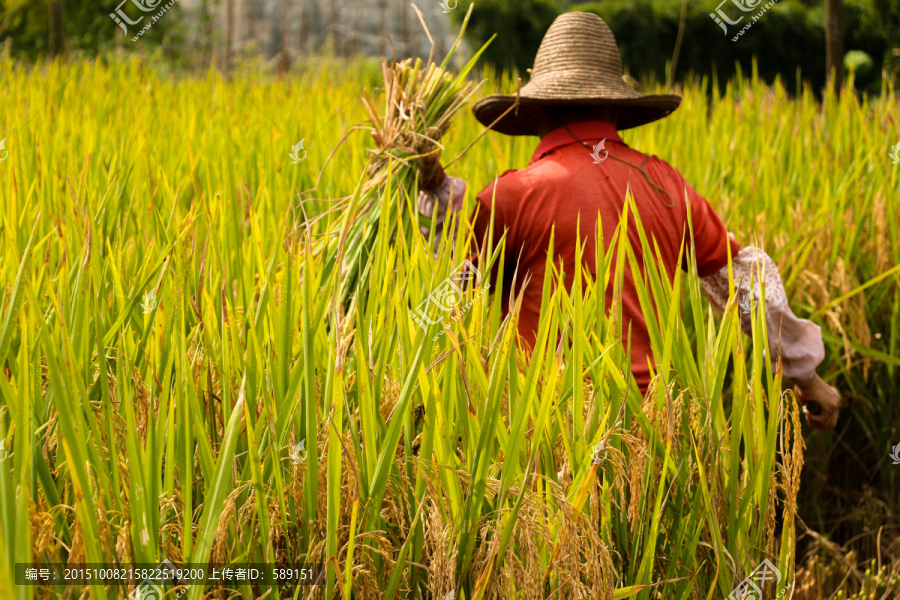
(182, 380)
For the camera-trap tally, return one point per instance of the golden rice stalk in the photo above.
(417, 105)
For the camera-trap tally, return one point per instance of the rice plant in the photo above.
(171, 338)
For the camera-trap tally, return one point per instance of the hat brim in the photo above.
(633, 112)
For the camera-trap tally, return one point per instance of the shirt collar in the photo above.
(585, 130)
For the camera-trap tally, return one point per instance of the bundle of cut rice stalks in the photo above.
(418, 105)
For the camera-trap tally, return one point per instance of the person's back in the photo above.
(564, 188)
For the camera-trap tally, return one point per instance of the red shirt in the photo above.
(562, 182)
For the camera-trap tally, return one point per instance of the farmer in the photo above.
(577, 103)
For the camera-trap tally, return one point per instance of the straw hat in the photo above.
(578, 63)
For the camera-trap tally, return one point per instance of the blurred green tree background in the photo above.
(88, 27)
(788, 39)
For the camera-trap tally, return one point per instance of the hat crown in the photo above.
(579, 45)
(578, 63)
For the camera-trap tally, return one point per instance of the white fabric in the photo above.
(802, 348)
(453, 188)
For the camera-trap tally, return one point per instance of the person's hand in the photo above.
(432, 173)
(826, 398)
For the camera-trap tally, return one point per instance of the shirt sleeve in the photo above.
(802, 348)
(441, 204)
(711, 239)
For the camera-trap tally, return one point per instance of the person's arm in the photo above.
(441, 203)
(440, 196)
(446, 194)
(798, 340)
(801, 345)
